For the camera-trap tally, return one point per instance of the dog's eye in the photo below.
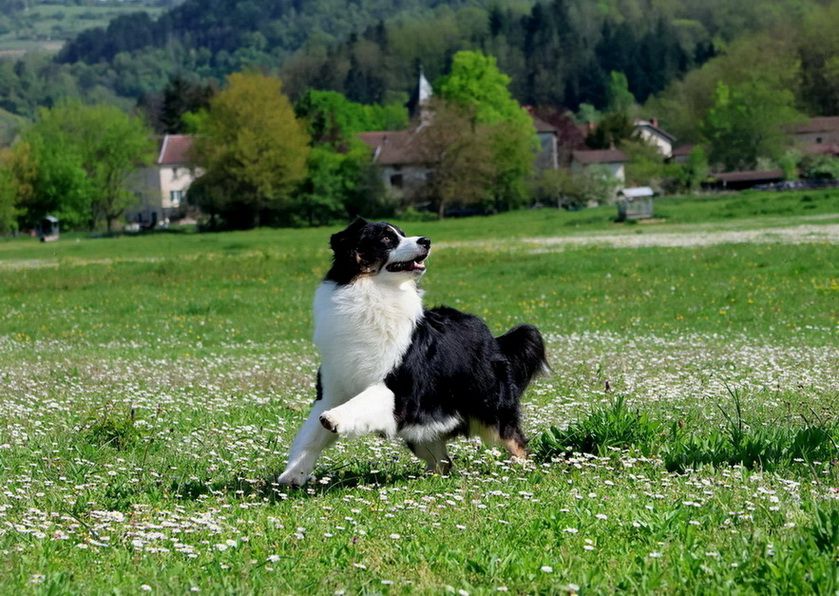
(387, 241)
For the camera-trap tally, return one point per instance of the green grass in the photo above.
(150, 387)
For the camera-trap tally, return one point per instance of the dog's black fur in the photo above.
(454, 367)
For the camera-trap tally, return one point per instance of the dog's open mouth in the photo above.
(415, 265)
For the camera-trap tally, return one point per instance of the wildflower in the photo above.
(546, 569)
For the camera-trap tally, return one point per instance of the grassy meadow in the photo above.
(685, 442)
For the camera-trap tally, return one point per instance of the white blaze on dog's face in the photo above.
(408, 257)
(378, 249)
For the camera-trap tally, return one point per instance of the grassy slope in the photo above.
(205, 339)
(46, 24)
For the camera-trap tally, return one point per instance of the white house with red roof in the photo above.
(161, 188)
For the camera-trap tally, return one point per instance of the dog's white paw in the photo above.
(328, 421)
(343, 422)
(293, 478)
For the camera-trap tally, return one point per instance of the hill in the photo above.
(557, 52)
(45, 26)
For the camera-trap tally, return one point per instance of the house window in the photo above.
(818, 140)
(175, 197)
(396, 181)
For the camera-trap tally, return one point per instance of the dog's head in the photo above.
(377, 248)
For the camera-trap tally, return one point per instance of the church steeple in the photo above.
(418, 105)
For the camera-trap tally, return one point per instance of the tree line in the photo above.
(556, 52)
(267, 161)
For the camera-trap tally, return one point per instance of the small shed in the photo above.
(48, 229)
(635, 203)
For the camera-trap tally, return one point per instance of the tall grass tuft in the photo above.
(612, 426)
(682, 448)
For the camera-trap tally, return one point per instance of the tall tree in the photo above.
(252, 143)
(83, 156)
(746, 122)
(476, 84)
(458, 152)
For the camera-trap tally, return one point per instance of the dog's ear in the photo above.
(346, 238)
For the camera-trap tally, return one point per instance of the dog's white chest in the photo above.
(362, 331)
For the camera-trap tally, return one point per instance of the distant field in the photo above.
(45, 27)
(150, 387)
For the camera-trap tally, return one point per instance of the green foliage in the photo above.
(333, 119)
(558, 188)
(747, 121)
(75, 161)
(612, 130)
(695, 171)
(820, 167)
(8, 197)
(340, 185)
(254, 150)
(460, 154)
(614, 426)
(619, 98)
(476, 84)
(752, 446)
(112, 429)
(684, 447)
(646, 166)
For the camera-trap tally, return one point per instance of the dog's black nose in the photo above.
(424, 242)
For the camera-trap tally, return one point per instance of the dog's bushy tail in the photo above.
(525, 350)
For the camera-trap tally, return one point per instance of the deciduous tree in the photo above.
(476, 84)
(252, 142)
(81, 158)
(746, 122)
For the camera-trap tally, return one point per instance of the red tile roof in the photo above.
(394, 147)
(592, 156)
(175, 150)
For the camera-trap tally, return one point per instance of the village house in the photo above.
(817, 136)
(651, 133)
(398, 155)
(161, 188)
(611, 160)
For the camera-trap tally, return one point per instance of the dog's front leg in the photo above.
(307, 447)
(371, 411)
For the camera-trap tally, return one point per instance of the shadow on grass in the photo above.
(326, 482)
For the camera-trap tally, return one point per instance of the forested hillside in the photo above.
(558, 53)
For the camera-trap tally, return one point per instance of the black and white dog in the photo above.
(390, 367)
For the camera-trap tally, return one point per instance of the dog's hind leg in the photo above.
(512, 438)
(371, 411)
(516, 444)
(434, 454)
(307, 447)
